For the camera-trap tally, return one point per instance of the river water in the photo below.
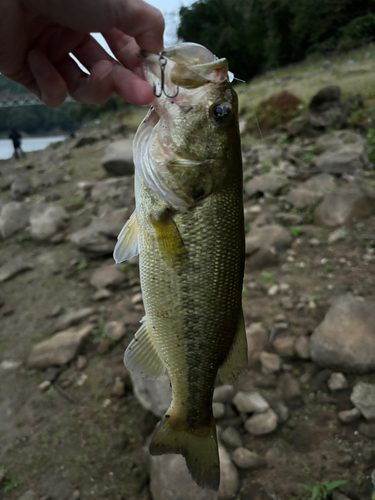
(28, 144)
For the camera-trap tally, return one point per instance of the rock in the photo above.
(14, 216)
(311, 191)
(223, 394)
(49, 178)
(347, 160)
(336, 495)
(272, 236)
(337, 382)
(218, 410)
(107, 276)
(81, 362)
(337, 235)
(250, 402)
(245, 459)
(282, 411)
(270, 362)
(262, 423)
(288, 220)
(110, 221)
(102, 294)
(56, 487)
(302, 347)
(297, 126)
(45, 385)
(46, 221)
(363, 398)
(349, 416)
(59, 349)
(10, 364)
(326, 110)
(268, 183)
(290, 387)
(117, 192)
(257, 340)
(284, 346)
(301, 198)
(14, 267)
(91, 242)
(73, 318)
(367, 430)
(345, 460)
(330, 143)
(118, 388)
(115, 330)
(262, 258)
(345, 339)
(118, 158)
(28, 495)
(137, 299)
(154, 395)
(345, 204)
(230, 437)
(21, 187)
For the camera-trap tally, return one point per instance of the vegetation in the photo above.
(321, 491)
(371, 144)
(265, 34)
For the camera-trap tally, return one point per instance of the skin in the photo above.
(36, 37)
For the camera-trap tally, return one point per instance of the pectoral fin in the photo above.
(236, 360)
(127, 240)
(169, 240)
(141, 357)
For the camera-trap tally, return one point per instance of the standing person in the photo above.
(16, 138)
(38, 35)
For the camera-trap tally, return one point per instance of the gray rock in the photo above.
(270, 362)
(14, 216)
(28, 495)
(246, 459)
(345, 204)
(345, 161)
(337, 235)
(330, 143)
(21, 187)
(73, 318)
(262, 258)
(268, 183)
(102, 294)
(231, 437)
(363, 398)
(345, 339)
(170, 479)
(311, 191)
(284, 346)
(349, 416)
(261, 423)
(337, 382)
(288, 220)
(272, 236)
(223, 394)
(301, 198)
(290, 387)
(336, 495)
(14, 267)
(118, 158)
(46, 221)
(154, 395)
(302, 347)
(218, 410)
(59, 349)
(107, 276)
(115, 192)
(91, 242)
(250, 402)
(115, 330)
(297, 126)
(56, 487)
(49, 178)
(257, 340)
(326, 110)
(110, 221)
(281, 410)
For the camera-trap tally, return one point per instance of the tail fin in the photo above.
(199, 449)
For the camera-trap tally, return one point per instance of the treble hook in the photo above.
(162, 64)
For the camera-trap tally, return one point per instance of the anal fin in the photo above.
(141, 356)
(127, 240)
(236, 360)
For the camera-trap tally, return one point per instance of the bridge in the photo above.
(17, 100)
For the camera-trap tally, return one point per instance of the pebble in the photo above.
(44, 386)
(102, 294)
(337, 235)
(106, 403)
(56, 311)
(287, 303)
(223, 394)
(218, 410)
(284, 346)
(136, 299)
(262, 423)
(314, 242)
(290, 387)
(115, 330)
(250, 402)
(231, 437)
(81, 379)
(81, 362)
(273, 290)
(349, 416)
(345, 460)
(73, 318)
(270, 362)
(337, 382)
(367, 430)
(118, 388)
(363, 398)
(246, 459)
(282, 411)
(302, 347)
(10, 364)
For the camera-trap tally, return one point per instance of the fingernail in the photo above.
(106, 73)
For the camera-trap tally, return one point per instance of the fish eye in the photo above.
(222, 113)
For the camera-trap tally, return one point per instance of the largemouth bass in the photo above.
(188, 228)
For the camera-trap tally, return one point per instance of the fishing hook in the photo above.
(162, 64)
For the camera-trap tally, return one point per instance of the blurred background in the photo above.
(300, 423)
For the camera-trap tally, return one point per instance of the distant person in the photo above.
(39, 35)
(16, 138)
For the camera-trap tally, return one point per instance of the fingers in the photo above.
(125, 49)
(49, 86)
(131, 88)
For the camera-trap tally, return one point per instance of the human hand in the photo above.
(36, 37)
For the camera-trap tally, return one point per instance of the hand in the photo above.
(36, 37)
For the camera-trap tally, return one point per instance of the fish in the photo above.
(188, 229)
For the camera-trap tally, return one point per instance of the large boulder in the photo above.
(14, 216)
(118, 158)
(345, 340)
(344, 204)
(46, 221)
(326, 109)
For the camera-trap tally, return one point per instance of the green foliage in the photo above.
(267, 276)
(322, 490)
(295, 231)
(9, 483)
(363, 118)
(328, 268)
(256, 36)
(82, 265)
(371, 144)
